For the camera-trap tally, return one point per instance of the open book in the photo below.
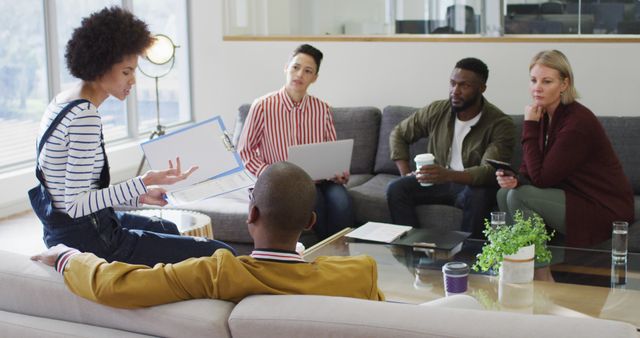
(379, 232)
(206, 145)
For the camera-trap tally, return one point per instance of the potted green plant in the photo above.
(511, 249)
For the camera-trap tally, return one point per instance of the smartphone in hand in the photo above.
(506, 167)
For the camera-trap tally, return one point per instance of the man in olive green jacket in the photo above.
(463, 131)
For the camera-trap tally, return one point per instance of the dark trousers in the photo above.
(405, 193)
(135, 239)
(334, 209)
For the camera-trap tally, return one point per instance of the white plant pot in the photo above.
(516, 296)
(518, 268)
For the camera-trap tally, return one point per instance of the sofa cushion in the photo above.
(19, 325)
(369, 200)
(42, 293)
(358, 123)
(391, 116)
(358, 179)
(622, 132)
(320, 316)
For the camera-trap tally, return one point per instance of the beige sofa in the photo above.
(34, 302)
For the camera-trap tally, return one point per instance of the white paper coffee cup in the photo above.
(424, 159)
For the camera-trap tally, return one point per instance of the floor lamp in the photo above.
(161, 55)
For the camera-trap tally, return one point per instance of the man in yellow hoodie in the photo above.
(281, 207)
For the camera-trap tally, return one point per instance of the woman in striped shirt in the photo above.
(74, 199)
(289, 117)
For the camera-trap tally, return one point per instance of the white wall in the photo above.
(227, 74)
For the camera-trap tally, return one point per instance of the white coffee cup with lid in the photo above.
(424, 159)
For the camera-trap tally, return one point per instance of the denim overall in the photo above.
(109, 234)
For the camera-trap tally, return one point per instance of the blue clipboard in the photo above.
(207, 145)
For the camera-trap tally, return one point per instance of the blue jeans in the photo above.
(476, 202)
(334, 209)
(135, 239)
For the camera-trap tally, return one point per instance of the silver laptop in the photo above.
(322, 160)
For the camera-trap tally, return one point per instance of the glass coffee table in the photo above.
(586, 284)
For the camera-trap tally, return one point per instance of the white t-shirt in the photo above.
(460, 131)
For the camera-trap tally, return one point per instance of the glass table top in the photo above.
(585, 282)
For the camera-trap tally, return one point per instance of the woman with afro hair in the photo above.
(75, 199)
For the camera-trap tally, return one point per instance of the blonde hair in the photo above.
(554, 59)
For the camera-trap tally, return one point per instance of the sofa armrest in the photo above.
(35, 289)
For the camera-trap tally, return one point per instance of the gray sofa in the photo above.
(372, 170)
(35, 302)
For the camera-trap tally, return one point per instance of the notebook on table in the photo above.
(447, 241)
(379, 232)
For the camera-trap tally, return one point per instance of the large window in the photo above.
(33, 36)
(169, 18)
(388, 17)
(23, 78)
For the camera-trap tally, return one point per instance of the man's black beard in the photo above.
(466, 104)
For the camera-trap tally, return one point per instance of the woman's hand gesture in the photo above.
(168, 176)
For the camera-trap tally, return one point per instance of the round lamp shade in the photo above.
(161, 51)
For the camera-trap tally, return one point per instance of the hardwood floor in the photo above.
(21, 233)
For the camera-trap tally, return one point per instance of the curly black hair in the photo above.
(104, 39)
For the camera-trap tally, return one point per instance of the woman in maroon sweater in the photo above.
(570, 174)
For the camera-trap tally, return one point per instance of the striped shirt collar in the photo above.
(277, 255)
(288, 102)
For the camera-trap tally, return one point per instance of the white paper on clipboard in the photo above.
(206, 145)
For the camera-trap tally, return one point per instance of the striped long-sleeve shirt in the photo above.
(274, 123)
(72, 159)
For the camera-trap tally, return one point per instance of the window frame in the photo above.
(492, 29)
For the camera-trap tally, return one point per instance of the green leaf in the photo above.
(508, 239)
